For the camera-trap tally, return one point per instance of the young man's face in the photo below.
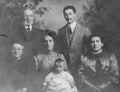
(17, 50)
(96, 43)
(70, 16)
(28, 17)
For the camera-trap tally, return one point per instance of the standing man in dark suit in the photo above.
(31, 36)
(72, 38)
(26, 32)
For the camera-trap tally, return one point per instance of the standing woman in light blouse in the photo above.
(99, 70)
(45, 61)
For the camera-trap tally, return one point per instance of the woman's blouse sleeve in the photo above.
(114, 65)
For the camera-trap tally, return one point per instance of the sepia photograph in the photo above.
(59, 46)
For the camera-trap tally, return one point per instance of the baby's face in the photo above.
(59, 67)
(17, 50)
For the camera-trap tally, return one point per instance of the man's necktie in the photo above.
(70, 30)
(28, 32)
(70, 34)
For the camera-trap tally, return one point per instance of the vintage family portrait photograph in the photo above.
(59, 46)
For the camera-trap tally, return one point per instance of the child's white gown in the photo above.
(59, 82)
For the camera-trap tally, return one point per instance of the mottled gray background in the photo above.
(101, 16)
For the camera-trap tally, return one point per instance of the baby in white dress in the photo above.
(59, 80)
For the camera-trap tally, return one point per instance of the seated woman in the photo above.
(45, 61)
(17, 67)
(99, 70)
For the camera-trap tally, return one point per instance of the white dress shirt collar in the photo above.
(28, 26)
(72, 26)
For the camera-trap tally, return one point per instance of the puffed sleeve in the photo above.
(114, 69)
(114, 65)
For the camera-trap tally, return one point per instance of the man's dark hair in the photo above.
(69, 7)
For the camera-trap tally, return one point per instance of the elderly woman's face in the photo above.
(96, 43)
(17, 50)
(49, 42)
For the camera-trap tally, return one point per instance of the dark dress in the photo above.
(20, 74)
(97, 70)
(16, 72)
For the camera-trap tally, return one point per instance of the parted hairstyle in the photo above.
(51, 34)
(69, 7)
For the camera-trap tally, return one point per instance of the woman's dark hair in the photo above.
(96, 35)
(51, 34)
